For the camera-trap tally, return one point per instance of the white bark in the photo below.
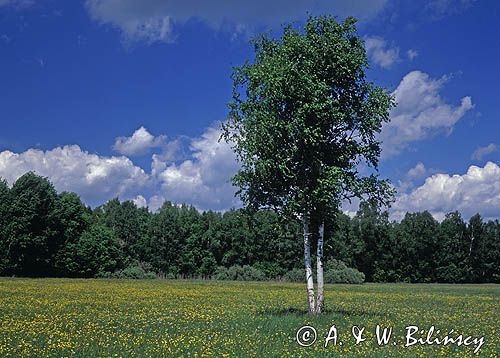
(319, 267)
(307, 263)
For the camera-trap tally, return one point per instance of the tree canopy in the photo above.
(304, 116)
(179, 241)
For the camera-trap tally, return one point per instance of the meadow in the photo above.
(141, 318)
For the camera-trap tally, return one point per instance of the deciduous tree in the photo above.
(5, 218)
(33, 239)
(302, 119)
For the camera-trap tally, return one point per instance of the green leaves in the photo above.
(96, 251)
(32, 232)
(303, 117)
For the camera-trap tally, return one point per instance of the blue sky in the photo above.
(123, 98)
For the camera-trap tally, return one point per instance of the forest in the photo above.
(44, 233)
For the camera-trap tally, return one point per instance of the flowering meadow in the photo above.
(154, 318)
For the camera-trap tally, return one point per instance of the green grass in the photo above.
(85, 318)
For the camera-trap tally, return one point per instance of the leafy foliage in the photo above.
(239, 273)
(302, 120)
(43, 233)
(96, 251)
(136, 272)
(303, 117)
(5, 218)
(33, 236)
(336, 271)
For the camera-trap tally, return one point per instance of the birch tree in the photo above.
(303, 117)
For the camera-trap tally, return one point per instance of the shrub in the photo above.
(271, 270)
(130, 272)
(134, 272)
(335, 271)
(104, 274)
(239, 273)
(295, 275)
(387, 275)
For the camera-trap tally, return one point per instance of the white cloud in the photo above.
(480, 152)
(140, 201)
(420, 113)
(350, 208)
(380, 52)
(411, 53)
(477, 191)
(417, 171)
(95, 178)
(155, 202)
(413, 176)
(203, 180)
(153, 21)
(139, 143)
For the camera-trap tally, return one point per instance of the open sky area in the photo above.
(111, 98)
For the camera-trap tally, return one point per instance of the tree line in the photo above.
(44, 233)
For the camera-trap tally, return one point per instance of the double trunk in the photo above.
(315, 304)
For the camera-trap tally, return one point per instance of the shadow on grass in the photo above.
(295, 311)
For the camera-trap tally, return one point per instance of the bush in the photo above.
(134, 272)
(130, 272)
(295, 275)
(387, 275)
(239, 273)
(271, 270)
(335, 271)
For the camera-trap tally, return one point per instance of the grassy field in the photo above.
(73, 317)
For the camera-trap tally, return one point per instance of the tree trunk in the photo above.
(307, 262)
(319, 267)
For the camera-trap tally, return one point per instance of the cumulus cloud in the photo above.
(477, 191)
(153, 21)
(155, 202)
(413, 176)
(420, 113)
(411, 53)
(380, 52)
(95, 178)
(140, 201)
(139, 143)
(480, 152)
(350, 208)
(202, 180)
(417, 171)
